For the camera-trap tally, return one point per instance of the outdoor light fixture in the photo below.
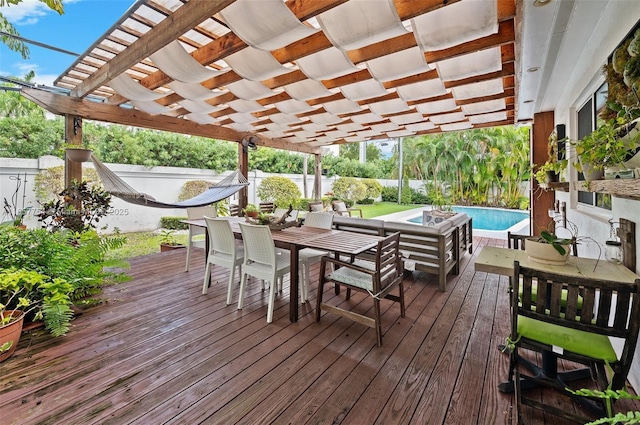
(249, 143)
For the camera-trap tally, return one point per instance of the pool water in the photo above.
(488, 218)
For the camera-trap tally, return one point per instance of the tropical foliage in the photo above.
(478, 167)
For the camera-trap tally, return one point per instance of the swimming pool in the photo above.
(488, 218)
(487, 222)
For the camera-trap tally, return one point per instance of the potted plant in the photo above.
(168, 241)
(553, 168)
(549, 248)
(610, 145)
(251, 210)
(23, 291)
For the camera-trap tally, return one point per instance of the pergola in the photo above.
(300, 74)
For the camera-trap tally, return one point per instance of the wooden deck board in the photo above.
(159, 351)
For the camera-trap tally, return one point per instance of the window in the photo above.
(587, 122)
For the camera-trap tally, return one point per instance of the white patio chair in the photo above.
(223, 251)
(293, 215)
(261, 261)
(308, 256)
(196, 213)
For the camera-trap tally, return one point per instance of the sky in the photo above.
(82, 24)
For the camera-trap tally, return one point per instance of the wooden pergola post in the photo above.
(243, 165)
(317, 181)
(73, 136)
(541, 200)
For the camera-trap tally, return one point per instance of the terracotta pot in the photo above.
(11, 333)
(78, 154)
(545, 253)
(252, 214)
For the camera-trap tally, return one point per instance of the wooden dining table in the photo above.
(294, 239)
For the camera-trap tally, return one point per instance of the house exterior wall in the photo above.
(617, 20)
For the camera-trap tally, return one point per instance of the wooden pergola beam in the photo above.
(60, 105)
(186, 17)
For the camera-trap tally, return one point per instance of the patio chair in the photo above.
(610, 309)
(339, 207)
(317, 206)
(261, 260)
(516, 241)
(195, 232)
(224, 251)
(377, 278)
(308, 256)
(293, 214)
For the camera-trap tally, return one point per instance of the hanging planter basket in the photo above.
(78, 154)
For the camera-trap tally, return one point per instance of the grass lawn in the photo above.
(384, 208)
(145, 243)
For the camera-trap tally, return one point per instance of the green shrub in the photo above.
(173, 223)
(49, 182)
(279, 190)
(406, 193)
(193, 188)
(366, 201)
(389, 194)
(349, 189)
(374, 188)
(303, 204)
(418, 197)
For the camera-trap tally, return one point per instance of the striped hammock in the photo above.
(117, 187)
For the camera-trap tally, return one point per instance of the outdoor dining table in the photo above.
(296, 238)
(500, 261)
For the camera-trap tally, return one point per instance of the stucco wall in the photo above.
(591, 221)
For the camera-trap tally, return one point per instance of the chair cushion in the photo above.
(361, 280)
(574, 340)
(316, 207)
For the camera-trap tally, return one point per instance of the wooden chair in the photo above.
(223, 251)
(551, 323)
(196, 213)
(234, 210)
(339, 207)
(261, 260)
(516, 241)
(266, 207)
(377, 278)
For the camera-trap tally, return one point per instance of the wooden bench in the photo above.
(431, 249)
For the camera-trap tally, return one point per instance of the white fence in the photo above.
(163, 183)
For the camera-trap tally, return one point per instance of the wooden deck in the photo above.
(158, 351)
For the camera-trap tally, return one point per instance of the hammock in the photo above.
(117, 187)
